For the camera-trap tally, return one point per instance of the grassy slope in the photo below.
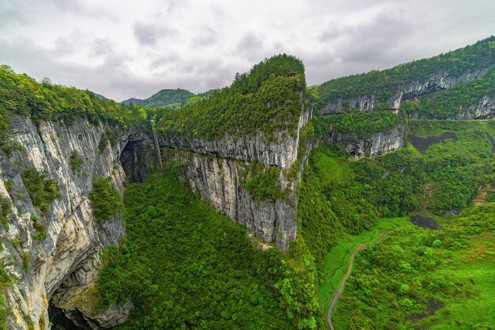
(443, 166)
(459, 274)
(337, 259)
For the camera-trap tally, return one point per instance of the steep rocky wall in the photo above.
(214, 169)
(376, 144)
(281, 153)
(485, 109)
(408, 91)
(219, 181)
(69, 254)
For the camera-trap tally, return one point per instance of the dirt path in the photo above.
(340, 289)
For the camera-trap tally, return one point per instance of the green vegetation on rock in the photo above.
(268, 99)
(262, 182)
(105, 200)
(184, 265)
(383, 84)
(453, 101)
(22, 95)
(40, 188)
(363, 124)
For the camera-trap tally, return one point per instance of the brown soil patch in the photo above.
(424, 221)
(429, 192)
(434, 305)
(485, 193)
(422, 144)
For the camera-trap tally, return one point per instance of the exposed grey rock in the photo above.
(281, 153)
(218, 180)
(408, 91)
(214, 169)
(69, 256)
(485, 109)
(378, 143)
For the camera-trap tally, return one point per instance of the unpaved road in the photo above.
(340, 289)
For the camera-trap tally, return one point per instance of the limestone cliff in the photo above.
(57, 266)
(373, 145)
(407, 91)
(484, 109)
(214, 169)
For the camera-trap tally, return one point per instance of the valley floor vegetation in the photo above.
(414, 277)
(184, 265)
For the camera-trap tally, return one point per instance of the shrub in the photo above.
(262, 182)
(4, 212)
(41, 231)
(105, 200)
(41, 189)
(75, 162)
(436, 243)
(404, 289)
(407, 303)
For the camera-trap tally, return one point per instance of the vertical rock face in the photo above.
(214, 168)
(378, 143)
(219, 181)
(408, 91)
(67, 258)
(485, 109)
(281, 153)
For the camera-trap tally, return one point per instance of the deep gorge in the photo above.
(258, 172)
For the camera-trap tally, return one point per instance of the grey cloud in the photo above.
(11, 12)
(251, 47)
(101, 47)
(207, 37)
(24, 56)
(146, 34)
(149, 34)
(365, 46)
(68, 5)
(163, 60)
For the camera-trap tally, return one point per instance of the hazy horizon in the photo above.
(126, 50)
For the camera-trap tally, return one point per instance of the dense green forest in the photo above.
(339, 197)
(22, 95)
(266, 99)
(166, 98)
(417, 277)
(455, 100)
(184, 265)
(385, 83)
(362, 124)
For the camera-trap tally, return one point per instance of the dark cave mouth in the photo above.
(60, 321)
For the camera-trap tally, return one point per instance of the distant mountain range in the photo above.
(170, 98)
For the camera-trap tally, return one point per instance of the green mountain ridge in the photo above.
(170, 98)
(183, 264)
(382, 86)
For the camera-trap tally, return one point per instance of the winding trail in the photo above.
(340, 289)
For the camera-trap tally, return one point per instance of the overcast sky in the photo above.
(123, 48)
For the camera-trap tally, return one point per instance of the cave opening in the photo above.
(60, 321)
(138, 158)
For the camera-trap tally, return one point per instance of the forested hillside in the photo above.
(425, 76)
(166, 98)
(421, 211)
(265, 99)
